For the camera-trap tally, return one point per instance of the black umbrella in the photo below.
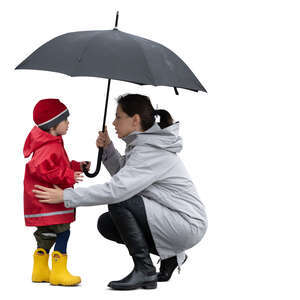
(113, 54)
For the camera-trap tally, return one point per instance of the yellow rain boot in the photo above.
(41, 271)
(59, 274)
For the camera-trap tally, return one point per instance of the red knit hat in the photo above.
(49, 112)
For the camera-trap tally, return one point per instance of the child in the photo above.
(50, 165)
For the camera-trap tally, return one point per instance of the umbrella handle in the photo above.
(86, 172)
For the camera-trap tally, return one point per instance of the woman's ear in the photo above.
(136, 121)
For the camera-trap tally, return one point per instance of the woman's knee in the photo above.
(107, 228)
(102, 223)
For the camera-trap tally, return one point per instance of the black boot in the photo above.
(167, 267)
(144, 273)
(142, 276)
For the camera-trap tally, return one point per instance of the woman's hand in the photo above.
(49, 195)
(103, 139)
(78, 176)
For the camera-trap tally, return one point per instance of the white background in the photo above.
(241, 142)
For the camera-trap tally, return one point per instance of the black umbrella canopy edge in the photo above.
(113, 78)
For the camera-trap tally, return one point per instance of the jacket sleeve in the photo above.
(112, 159)
(133, 178)
(49, 170)
(75, 165)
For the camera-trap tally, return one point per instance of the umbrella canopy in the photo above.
(113, 54)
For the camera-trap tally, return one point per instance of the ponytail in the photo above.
(165, 118)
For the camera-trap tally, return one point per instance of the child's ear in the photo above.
(51, 130)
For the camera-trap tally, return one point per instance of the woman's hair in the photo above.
(133, 104)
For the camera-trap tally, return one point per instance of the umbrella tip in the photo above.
(117, 19)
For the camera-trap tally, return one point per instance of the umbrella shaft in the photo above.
(106, 103)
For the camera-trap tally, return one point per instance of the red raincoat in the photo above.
(49, 165)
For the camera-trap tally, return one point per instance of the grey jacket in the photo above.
(151, 168)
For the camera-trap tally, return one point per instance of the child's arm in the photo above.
(75, 165)
(49, 170)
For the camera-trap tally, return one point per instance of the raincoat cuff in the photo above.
(75, 165)
(68, 198)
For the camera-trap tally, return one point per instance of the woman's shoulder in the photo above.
(148, 154)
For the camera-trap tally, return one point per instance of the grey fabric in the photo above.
(152, 169)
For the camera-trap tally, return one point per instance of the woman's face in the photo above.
(124, 124)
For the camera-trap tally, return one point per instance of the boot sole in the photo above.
(61, 284)
(64, 284)
(146, 286)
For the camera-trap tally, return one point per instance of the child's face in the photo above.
(124, 124)
(61, 128)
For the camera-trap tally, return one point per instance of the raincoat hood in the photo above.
(167, 138)
(36, 139)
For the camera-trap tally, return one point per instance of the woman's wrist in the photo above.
(66, 201)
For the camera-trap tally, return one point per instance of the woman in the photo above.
(153, 204)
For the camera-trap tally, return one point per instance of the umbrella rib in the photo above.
(150, 71)
(83, 51)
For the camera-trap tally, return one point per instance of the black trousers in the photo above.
(136, 206)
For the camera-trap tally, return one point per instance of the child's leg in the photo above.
(45, 238)
(62, 236)
(62, 242)
(59, 273)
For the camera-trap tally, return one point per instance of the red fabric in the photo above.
(75, 165)
(49, 165)
(46, 110)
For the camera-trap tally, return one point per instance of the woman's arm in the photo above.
(133, 178)
(112, 159)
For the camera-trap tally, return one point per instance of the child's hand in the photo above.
(87, 165)
(103, 139)
(78, 176)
